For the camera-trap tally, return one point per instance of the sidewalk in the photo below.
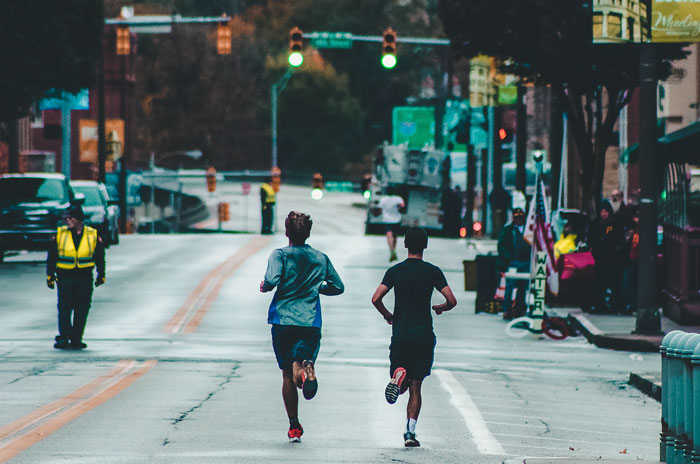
(615, 332)
(570, 461)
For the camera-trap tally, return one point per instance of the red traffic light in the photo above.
(502, 134)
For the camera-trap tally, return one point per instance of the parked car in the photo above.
(32, 206)
(101, 212)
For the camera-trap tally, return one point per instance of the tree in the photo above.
(550, 41)
(46, 45)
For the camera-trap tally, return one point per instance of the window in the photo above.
(597, 25)
(614, 25)
(630, 30)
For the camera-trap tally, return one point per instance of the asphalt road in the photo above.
(180, 369)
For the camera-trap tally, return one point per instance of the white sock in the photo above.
(411, 425)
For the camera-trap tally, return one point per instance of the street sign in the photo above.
(507, 95)
(56, 99)
(246, 188)
(339, 186)
(414, 125)
(331, 40)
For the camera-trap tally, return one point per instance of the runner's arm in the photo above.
(332, 285)
(273, 274)
(450, 301)
(379, 294)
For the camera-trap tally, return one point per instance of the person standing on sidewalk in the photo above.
(514, 252)
(73, 254)
(300, 273)
(606, 240)
(392, 206)
(267, 205)
(412, 340)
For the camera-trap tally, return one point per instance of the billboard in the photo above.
(88, 137)
(630, 21)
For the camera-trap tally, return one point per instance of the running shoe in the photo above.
(393, 388)
(309, 384)
(295, 432)
(393, 257)
(409, 440)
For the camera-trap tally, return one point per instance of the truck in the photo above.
(418, 176)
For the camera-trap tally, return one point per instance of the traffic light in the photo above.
(389, 48)
(223, 211)
(296, 46)
(223, 36)
(211, 179)
(317, 184)
(123, 40)
(366, 187)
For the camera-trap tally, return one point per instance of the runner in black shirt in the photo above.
(413, 339)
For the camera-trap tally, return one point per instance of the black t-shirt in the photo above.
(413, 281)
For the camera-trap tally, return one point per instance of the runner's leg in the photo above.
(289, 393)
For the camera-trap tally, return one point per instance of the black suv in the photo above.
(32, 206)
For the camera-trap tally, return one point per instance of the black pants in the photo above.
(267, 219)
(74, 300)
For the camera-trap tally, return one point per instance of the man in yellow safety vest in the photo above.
(267, 205)
(73, 253)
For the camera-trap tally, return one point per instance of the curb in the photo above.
(647, 385)
(620, 342)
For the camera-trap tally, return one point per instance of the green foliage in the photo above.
(336, 107)
(46, 44)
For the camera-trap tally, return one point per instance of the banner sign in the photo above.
(646, 21)
(87, 129)
(675, 21)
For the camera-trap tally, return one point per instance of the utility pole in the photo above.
(521, 140)
(275, 91)
(648, 316)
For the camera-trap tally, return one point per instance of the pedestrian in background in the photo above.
(567, 242)
(514, 252)
(73, 253)
(268, 199)
(413, 341)
(618, 203)
(605, 239)
(300, 273)
(631, 258)
(391, 207)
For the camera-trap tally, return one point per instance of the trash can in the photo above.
(469, 275)
(487, 278)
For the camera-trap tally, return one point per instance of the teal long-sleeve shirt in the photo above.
(300, 273)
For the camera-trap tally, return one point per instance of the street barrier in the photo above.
(680, 398)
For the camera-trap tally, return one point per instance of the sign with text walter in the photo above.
(675, 21)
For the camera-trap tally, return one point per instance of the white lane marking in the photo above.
(485, 442)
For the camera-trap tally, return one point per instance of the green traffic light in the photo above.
(389, 61)
(367, 194)
(295, 59)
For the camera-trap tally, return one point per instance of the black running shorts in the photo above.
(294, 343)
(413, 354)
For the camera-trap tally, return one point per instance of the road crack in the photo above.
(219, 387)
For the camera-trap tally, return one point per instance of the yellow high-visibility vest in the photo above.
(269, 192)
(68, 256)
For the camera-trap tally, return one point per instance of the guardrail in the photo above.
(680, 398)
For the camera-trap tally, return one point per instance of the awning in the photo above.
(681, 146)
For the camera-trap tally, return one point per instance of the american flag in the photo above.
(538, 233)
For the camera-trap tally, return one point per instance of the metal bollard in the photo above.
(676, 414)
(684, 446)
(695, 454)
(665, 383)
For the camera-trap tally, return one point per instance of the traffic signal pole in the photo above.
(275, 91)
(648, 316)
